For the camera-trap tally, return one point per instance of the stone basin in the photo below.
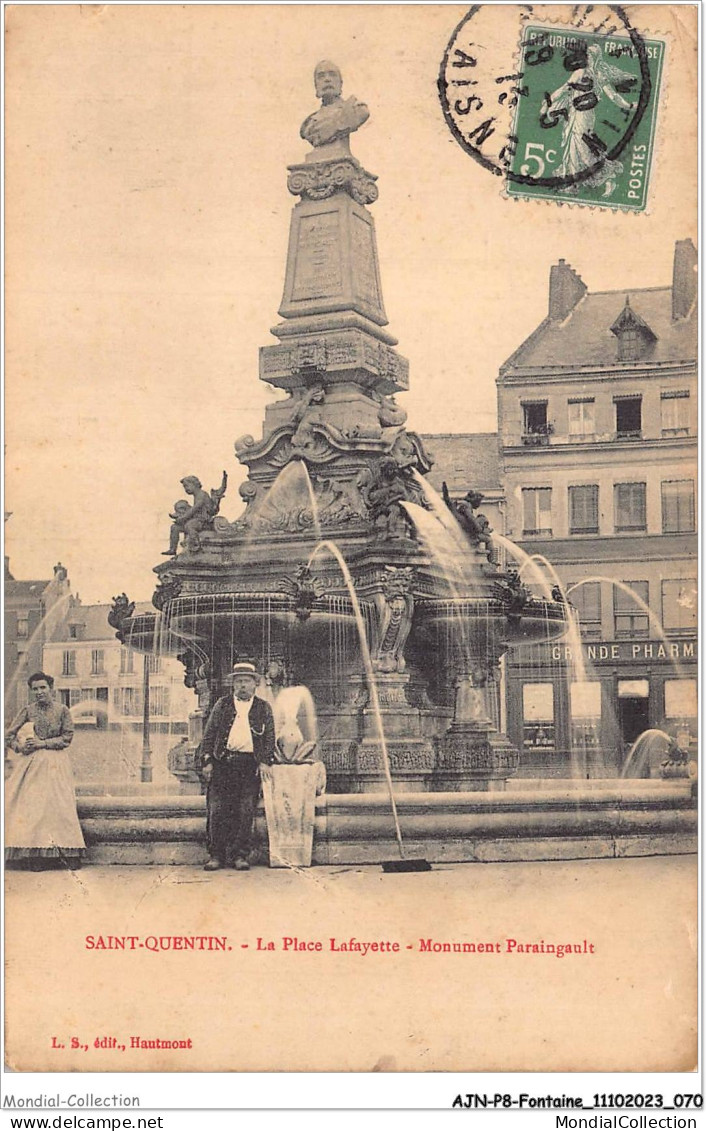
(608, 819)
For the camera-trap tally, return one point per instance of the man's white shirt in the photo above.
(240, 737)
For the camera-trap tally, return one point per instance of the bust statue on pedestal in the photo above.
(329, 127)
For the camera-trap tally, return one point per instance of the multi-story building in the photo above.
(597, 415)
(102, 681)
(35, 612)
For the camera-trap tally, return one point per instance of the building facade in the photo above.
(35, 613)
(102, 681)
(597, 414)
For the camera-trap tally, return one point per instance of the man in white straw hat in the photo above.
(239, 735)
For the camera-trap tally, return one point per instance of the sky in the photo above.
(147, 226)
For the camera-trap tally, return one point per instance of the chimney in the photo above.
(565, 290)
(684, 282)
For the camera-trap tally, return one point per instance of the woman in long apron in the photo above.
(41, 823)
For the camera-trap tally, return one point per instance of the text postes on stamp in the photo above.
(583, 95)
(560, 111)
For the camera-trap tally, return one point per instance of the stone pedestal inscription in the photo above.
(332, 261)
(317, 272)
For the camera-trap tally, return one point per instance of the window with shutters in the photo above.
(159, 701)
(630, 612)
(537, 510)
(678, 510)
(583, 509)
(679, 605)
(675, 413)
(582, 419)
(630, 506)
(586, 600)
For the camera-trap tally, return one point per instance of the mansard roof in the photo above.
(24, 590)
(584, 337)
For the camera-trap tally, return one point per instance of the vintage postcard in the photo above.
(350, 546)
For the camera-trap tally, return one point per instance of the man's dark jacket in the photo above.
(262, 728)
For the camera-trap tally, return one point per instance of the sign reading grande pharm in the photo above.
(622, 650)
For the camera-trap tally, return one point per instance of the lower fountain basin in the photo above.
(609, 819)
(477, 623)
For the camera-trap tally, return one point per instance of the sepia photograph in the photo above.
(351, 552)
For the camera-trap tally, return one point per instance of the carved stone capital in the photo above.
(322, 179)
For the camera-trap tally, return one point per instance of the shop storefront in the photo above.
(571, 711)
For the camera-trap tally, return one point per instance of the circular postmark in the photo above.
(549, 98)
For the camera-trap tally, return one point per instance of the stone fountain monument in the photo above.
(336, 467)
(361, 595)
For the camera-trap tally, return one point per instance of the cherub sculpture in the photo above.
(475, 526)
(384, 489)
(191, 519)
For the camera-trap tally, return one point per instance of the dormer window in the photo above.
(629, 344)
(634, 335)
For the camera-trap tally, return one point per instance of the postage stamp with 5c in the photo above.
(566, 113)
(588, 117)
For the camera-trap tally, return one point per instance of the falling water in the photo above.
(451, 550)
(579, 675)
(442, 533)
(442, 544)
(540, 560)
(295, 717)
(526, 562)
(643, 752)
(369, 672)
(455, 536)
(52, 618)
(312, 500)
(287, 488)
(446, 545)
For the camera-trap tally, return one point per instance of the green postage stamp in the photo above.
(585, 118)
(558, 111)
